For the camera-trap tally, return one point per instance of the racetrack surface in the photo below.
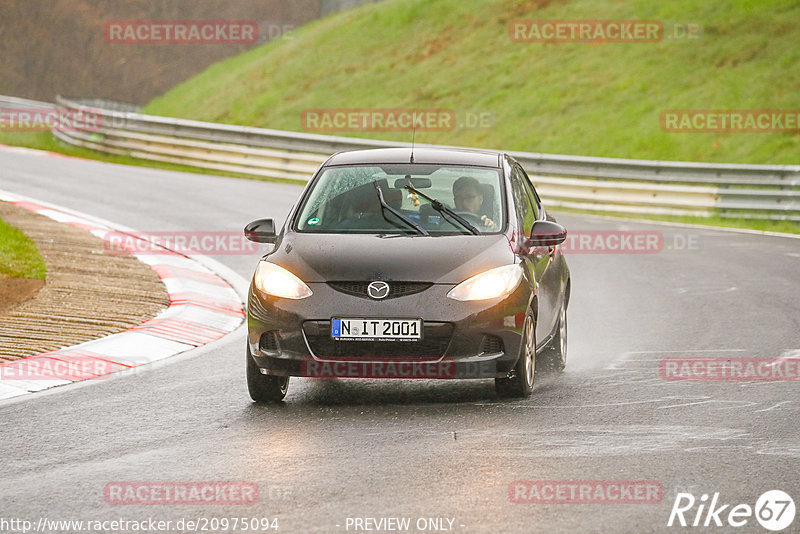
(344, 449)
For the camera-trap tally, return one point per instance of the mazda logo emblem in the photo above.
(378, 290)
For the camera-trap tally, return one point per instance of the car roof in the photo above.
(444, 156)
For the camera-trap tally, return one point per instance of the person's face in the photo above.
(468, 199)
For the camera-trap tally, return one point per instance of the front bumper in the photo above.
(478, 339)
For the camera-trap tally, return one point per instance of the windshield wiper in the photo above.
(441, 208)
(398, 214)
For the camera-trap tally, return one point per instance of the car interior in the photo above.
(358, 209)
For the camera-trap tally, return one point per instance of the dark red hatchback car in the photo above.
(423, 263)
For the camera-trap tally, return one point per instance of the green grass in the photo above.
(568, 98)
(19, 257)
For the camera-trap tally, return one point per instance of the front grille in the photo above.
(491, 345)
(269, 342)
(434, 342)
(396, 289)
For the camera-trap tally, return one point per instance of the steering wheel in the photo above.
(472, 218)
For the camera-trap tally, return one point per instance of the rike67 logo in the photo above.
(774, 511)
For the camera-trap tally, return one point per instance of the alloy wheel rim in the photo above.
(529, 350)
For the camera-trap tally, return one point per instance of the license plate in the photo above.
(371, 329)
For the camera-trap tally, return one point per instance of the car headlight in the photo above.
(276, 281)
(490, 284)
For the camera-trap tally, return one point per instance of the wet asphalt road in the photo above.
(381, 449)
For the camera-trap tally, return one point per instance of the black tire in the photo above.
(520, 383)
(554, 356)
(264, 388)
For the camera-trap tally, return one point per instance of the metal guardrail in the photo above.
(12, 102)
(600, 184)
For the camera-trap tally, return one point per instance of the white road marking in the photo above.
(774, 407)
(792, 450)
(711, 400)
(682, 351)
(695, 292)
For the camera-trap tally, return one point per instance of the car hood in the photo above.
(440, 259)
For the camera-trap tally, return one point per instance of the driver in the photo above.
(468, 197)
(363, 211)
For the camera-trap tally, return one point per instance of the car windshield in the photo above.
(346, 200)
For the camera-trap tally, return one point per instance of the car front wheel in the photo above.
(264, 388)
(555, 353)
(520, 383)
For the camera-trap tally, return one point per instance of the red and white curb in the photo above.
(204, 307)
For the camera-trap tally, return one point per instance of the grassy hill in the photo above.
(59, 46)
(571, 98)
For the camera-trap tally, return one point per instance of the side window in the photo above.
(526, 213)
(534, 198)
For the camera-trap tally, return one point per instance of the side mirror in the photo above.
(261, 231)
(547, 234)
